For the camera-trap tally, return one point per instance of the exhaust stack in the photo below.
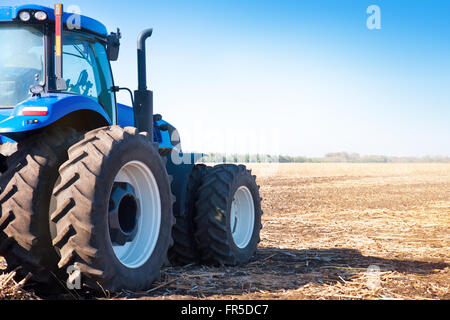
(143, 106)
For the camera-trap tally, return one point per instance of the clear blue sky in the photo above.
(292, 77)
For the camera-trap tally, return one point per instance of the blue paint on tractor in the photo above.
(125, 118)
(164, 135)
(4, 139)
(181, 172)
(12, 13)
(59, 105)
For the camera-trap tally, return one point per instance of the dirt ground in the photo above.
(336, 231)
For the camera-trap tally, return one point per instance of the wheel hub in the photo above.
(124, 213)
(242, 217)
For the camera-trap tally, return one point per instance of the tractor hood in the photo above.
(39, 112)
(89, 24)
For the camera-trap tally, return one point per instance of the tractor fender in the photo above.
(57, 106)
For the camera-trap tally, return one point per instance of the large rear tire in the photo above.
(228, 218)
(113, 216)
(26, 190)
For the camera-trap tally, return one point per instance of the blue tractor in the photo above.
(95, 188)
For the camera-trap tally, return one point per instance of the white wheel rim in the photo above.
(242, 217)
(137, 252)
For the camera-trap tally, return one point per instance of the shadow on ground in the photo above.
(275, 269)
(271, 270)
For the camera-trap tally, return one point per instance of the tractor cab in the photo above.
(55, 69)
(45, 59)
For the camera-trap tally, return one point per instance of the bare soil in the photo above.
(335, 231)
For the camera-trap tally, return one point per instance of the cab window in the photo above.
(21, 62)
(87, 72)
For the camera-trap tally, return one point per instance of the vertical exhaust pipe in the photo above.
(142, 64)
(143, 98)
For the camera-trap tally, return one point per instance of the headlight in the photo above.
(25, 16)
(36, 89)
(40, 15)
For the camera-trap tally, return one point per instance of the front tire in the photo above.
(228, 218)
(113, 216)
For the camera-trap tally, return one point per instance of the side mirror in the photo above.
(113, 45)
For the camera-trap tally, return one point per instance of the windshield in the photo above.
(21, 62)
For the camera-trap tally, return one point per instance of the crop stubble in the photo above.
(324, 225)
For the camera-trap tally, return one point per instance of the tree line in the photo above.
(334, 157)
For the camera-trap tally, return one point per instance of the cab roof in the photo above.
(11, 13)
